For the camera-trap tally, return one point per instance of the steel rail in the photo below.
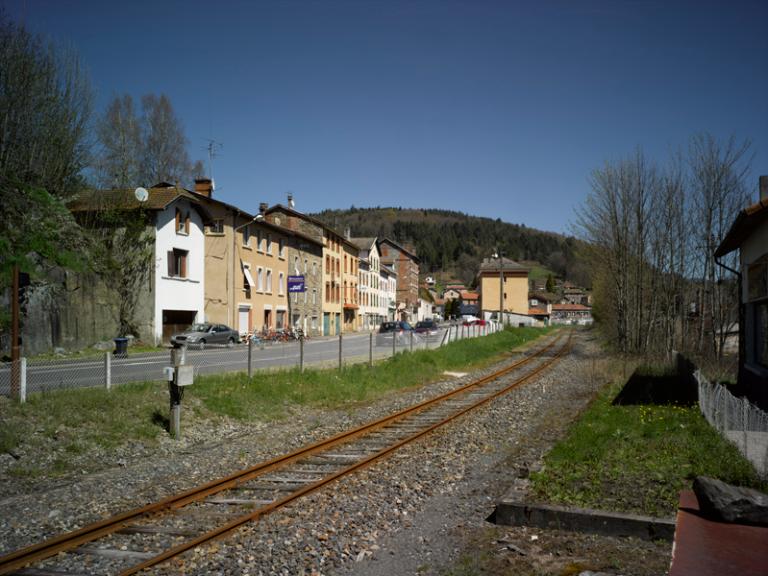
(264, 510)
(67, 541)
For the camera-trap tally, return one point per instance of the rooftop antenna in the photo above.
(213, 149)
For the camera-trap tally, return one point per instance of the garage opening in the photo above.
(175, 321)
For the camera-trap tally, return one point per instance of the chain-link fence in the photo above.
(737, 420)
(110, 370)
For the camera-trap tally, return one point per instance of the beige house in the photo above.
(351, 279)
(246, 267)
(515, 288)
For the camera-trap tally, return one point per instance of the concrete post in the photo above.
(301, 354)
(108, 370)
(250, 354)
(22, 380)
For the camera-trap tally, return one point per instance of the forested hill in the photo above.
(456, 243)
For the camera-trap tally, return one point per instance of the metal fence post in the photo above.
(250, 354)
(301, 354)
(370, 349)
(22, 380)
(108, 370)
(340, 351)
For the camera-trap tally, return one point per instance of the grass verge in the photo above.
(70, 422)
(637, 458)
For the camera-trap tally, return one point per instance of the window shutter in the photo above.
(178, 219)
(171, 267)
(186, 224)
(183, 271)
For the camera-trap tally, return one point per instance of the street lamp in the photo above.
(498, 254)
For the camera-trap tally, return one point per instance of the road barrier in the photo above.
(110, 370)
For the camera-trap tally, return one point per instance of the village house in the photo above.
(571, 314)
(387, 293)
(405, 263)
(749, 235)
(334, 248)
(513, 296)
(173, 296)
(370, 315)
(351, 307)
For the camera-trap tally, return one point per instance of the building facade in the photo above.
(749, 235)
(515, 286)
(405, 263)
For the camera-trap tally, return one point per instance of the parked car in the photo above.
(205, 333)
(473, 321)
(426, 327)
(397, 328)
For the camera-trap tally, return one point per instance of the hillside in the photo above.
(455, 243)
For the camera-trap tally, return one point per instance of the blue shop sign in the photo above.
(296, 284)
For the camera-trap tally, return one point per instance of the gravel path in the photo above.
(421, 511)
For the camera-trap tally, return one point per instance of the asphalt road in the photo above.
(91, 372)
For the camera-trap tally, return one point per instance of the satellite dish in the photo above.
(141, 194)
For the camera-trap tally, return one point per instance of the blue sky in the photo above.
(498, 109)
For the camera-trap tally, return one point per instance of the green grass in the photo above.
(637, 458)
(70, 422)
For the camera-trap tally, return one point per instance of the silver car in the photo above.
(203, 334)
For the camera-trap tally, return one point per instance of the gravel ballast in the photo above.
(421, 510)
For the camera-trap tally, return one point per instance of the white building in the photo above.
(369, 283)
(387, 308)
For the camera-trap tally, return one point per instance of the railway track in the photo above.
(144, 537)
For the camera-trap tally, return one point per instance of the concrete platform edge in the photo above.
(514, 511)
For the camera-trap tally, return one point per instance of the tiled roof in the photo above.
(363, 243)
(492, 265)
(746, 221)
(467, 295)
(125, 199)
(537, 312)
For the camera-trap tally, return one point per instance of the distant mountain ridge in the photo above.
(456, 243)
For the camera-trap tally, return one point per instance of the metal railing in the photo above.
(109, 370)
(737, 420)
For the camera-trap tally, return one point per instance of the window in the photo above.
(269, 281)
(247, 236)
(281, 248)
(258, 240)
(314, 268)
(327, 264)
(177, 263)
(269, 243)
(314, 295)
(327, 291)
(260, 279)
(247, 280)
(182, 222)
(217, 226)
(305, 265)
(314, 322)
(296, 265)
(281, 284)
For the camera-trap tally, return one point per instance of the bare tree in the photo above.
(718, 190)
(118, 162)
(45, 103)
(164, 155)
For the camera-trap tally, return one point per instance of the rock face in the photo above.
(728, 503)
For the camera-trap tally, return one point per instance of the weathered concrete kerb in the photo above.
(512, 510)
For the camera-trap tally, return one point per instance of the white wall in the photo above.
(179, 293)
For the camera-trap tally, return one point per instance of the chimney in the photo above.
(291, 203)
(204, 187)
(763, 188)
(347, 232)
(263, 207)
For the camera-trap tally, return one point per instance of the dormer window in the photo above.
(182, 222)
